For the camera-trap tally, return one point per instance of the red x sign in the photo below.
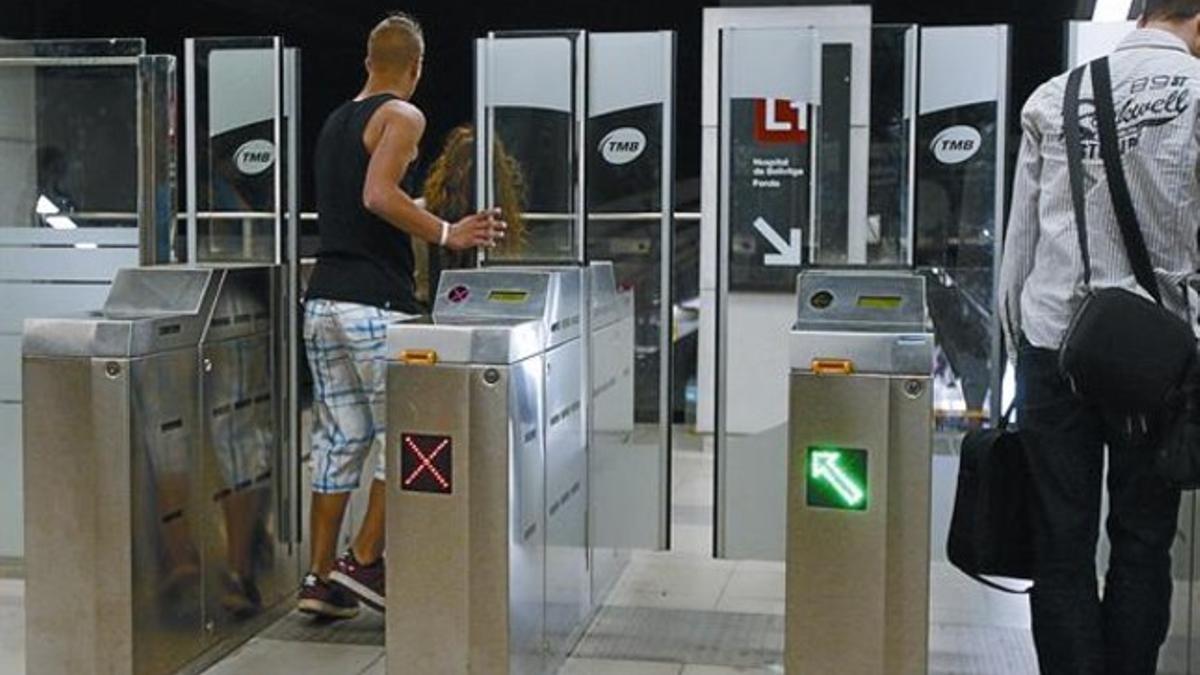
(426, 463)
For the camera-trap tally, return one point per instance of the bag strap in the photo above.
(1000, 587)
(1118, 188)
(1074, 141)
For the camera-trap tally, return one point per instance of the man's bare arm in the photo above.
(403, 126)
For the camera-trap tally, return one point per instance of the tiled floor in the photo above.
(684, 590)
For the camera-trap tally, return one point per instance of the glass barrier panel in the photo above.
(844, 233)
(530, 107)
(235, 147)
(630, 181)
(960, 206)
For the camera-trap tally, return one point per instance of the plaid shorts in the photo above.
(347, 353)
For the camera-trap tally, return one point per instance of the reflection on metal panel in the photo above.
(161, 415)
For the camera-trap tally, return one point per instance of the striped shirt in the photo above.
(1156, 84)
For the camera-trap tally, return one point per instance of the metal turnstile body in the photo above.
(860, 439)
(618, 466)
(488, 489)
(153, 467)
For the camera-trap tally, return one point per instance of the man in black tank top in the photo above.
(362, 282)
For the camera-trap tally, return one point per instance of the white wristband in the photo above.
(445, 233)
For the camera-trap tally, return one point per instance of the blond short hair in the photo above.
(396, 43)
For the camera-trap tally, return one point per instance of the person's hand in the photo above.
(480, 229)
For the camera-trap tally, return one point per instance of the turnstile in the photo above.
(860, 440)
(488, 475)
(153, 473)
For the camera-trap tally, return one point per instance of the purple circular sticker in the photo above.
(458, 294)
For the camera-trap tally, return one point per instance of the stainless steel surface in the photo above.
(172, 447)
(148, 310)
(568, 585)
(858, 582)
(463, 611)
(550, 295)
(86, 493)
(291, 515)
(860, 300)
(502, 343)
(868, 352)
(858, 579)
(497, 315)
(623, 467)
(518, 424)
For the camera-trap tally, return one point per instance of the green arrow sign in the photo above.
(837, 478)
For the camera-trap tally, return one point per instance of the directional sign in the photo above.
(836, 478)
(787, 252)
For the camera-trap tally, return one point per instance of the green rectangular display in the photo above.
(836, 478)
(510, 297)
(880, 301)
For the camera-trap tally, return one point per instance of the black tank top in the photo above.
(362, 258)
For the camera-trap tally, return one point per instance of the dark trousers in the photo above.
(1075, 631)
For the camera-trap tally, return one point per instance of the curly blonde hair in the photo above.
(450, 194)
(450, 186)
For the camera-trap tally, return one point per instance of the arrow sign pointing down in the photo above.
(788, 252)
(825, 467)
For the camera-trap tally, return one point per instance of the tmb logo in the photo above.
(778, 120)
(622, 146)
(254, 157)
(956, 145)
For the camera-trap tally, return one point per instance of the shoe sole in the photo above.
(369, 597)
(326, 610)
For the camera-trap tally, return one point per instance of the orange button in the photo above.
(419, 357)
(832, 366)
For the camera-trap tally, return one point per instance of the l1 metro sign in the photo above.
(426, 464)
(836, 478)
(779, 120)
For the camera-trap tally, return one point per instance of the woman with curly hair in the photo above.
(450, 191)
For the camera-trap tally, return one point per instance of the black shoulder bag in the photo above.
(1121, 352)
(991, 530)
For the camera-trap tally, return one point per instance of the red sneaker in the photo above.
(325, 600)
(365, 581)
